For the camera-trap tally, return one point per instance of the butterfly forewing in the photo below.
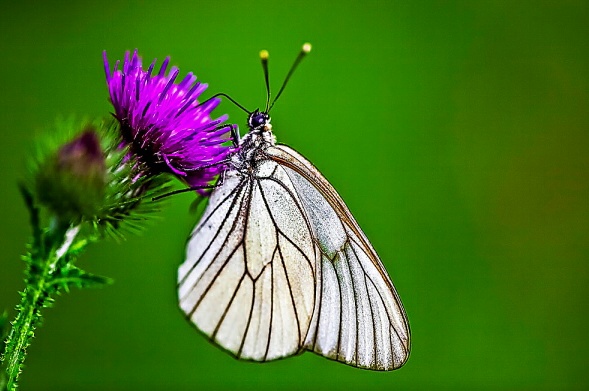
(278, 265)
(249, 265)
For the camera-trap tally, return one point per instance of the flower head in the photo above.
(163, 124)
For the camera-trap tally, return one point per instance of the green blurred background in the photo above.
(457, 132)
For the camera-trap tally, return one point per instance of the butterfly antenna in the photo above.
(264, 57)
(304, 50)
(228, 97)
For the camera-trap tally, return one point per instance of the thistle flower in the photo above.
(90, 180)
(163, 124)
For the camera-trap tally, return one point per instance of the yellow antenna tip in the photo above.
(264, 54)
(306, 47)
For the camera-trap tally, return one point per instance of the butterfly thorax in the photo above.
(255, 142)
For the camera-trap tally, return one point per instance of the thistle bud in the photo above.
(71, 182)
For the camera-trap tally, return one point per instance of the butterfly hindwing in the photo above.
(359, 318)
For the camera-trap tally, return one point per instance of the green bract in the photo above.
(83, 174)
(72, 181)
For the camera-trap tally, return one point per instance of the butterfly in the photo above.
(278, 265)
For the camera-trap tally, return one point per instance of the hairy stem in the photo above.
(36, 296)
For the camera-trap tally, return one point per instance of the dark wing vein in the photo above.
(274, 171)
(379, 294)
(302, 213)
(375, 309)
(271, 300)
(319, 303)
(202, 223)
(249, 320)
(355, 305)
(240, 186)
(341, 306)
(204, 294)
(369, 308)
(227, 308)
(294, 307)
(247, 216)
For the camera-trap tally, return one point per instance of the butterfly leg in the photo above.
(235, 135)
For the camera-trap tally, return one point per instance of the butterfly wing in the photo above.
(358, 318)
(248, 279)
(278, 264)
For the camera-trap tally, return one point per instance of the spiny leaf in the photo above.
(78, 246)
(3, 332)
(71, 276)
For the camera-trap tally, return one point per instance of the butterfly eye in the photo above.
(258, 120)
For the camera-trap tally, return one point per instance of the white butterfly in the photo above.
(278, 265)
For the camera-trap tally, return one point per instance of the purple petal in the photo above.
(165, 126)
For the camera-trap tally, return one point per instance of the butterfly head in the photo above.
(259, 121)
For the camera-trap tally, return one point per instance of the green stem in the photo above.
(35, 297)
